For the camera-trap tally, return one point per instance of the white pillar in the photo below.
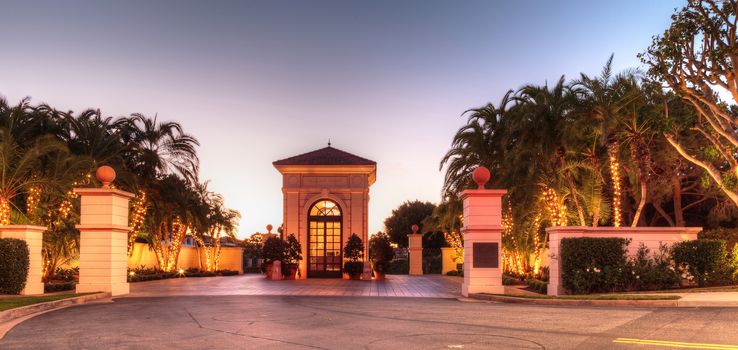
(33, 236)
(482, 237)
(103, 257)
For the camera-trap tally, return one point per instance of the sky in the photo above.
(258, 81)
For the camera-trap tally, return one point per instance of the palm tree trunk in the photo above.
(617, 210)
(638, 159)
(573, 190)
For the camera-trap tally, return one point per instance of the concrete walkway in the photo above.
(429, 286)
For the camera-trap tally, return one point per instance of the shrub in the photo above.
(729, 235)
(14, 261)
(353, 252)
(508, 281)
(67, 275)
(706, 260)
(536, 285)
(653, 273)
(293, 252)
(57, 287)
(593, 264)
(227, 273)
(398, 267)
(201, 274)
(274, 250)
(380, 252)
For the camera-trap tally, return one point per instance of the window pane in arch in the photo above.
(325, 208)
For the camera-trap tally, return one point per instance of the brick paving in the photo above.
(428, 286)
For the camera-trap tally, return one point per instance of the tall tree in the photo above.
(697, 58)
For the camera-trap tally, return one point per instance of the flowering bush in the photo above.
(653, 273)
(705, 260)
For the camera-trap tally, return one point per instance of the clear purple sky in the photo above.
(261, 81)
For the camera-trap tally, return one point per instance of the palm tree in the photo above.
(542, 129)
(603, 101)
(161, 148)
(22, 172)
(213, 220)
(481, 142)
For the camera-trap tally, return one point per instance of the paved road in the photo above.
(295, 322)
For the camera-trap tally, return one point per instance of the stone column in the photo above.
(482, 237)
(415, 252)
(103, 237)
(34, 236)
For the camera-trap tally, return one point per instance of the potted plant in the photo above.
(353, 253)
(380, 254)
(273, 250)
(293, 255)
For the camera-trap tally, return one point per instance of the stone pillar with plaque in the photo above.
(482, 230)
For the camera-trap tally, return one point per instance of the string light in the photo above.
(555, 206)
(4, 211)
(34, 196)
(616, 189)
(137, 218)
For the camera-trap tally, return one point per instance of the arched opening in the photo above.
(324, 239)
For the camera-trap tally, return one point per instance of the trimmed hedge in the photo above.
(536, 285)
(591, 265)
(706, 260)
(14, 259)
(58, 287)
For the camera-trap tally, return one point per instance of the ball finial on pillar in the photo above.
(106, 175)
(481, 176)
(415, 228)
(269, 228)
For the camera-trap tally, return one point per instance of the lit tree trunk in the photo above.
(617, 210)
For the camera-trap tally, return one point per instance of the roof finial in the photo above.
(329, 142)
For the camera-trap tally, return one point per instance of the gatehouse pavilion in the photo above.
(326, 199)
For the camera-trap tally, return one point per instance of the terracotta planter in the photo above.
(293, 273)
(379, 276)
(268, 267)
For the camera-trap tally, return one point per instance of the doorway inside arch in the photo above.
(324, 239)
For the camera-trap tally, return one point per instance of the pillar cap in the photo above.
(106, 175)
(415, 228)
(481, 175)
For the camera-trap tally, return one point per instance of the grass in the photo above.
(594, 297)
(13, 302)
(693, 290)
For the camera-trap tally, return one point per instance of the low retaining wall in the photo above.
(231, 258)
(651, 237)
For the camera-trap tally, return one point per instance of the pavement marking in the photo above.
(675, 344)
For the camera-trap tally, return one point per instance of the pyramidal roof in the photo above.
(326, 156)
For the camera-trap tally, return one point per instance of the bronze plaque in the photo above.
(486, 255)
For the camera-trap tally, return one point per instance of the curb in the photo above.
(12, 314)
(574, 302)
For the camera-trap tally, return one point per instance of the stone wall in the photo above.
(231, 258)
(651, 237)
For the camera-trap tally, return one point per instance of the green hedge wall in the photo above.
(14, 261)
(591, 265)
